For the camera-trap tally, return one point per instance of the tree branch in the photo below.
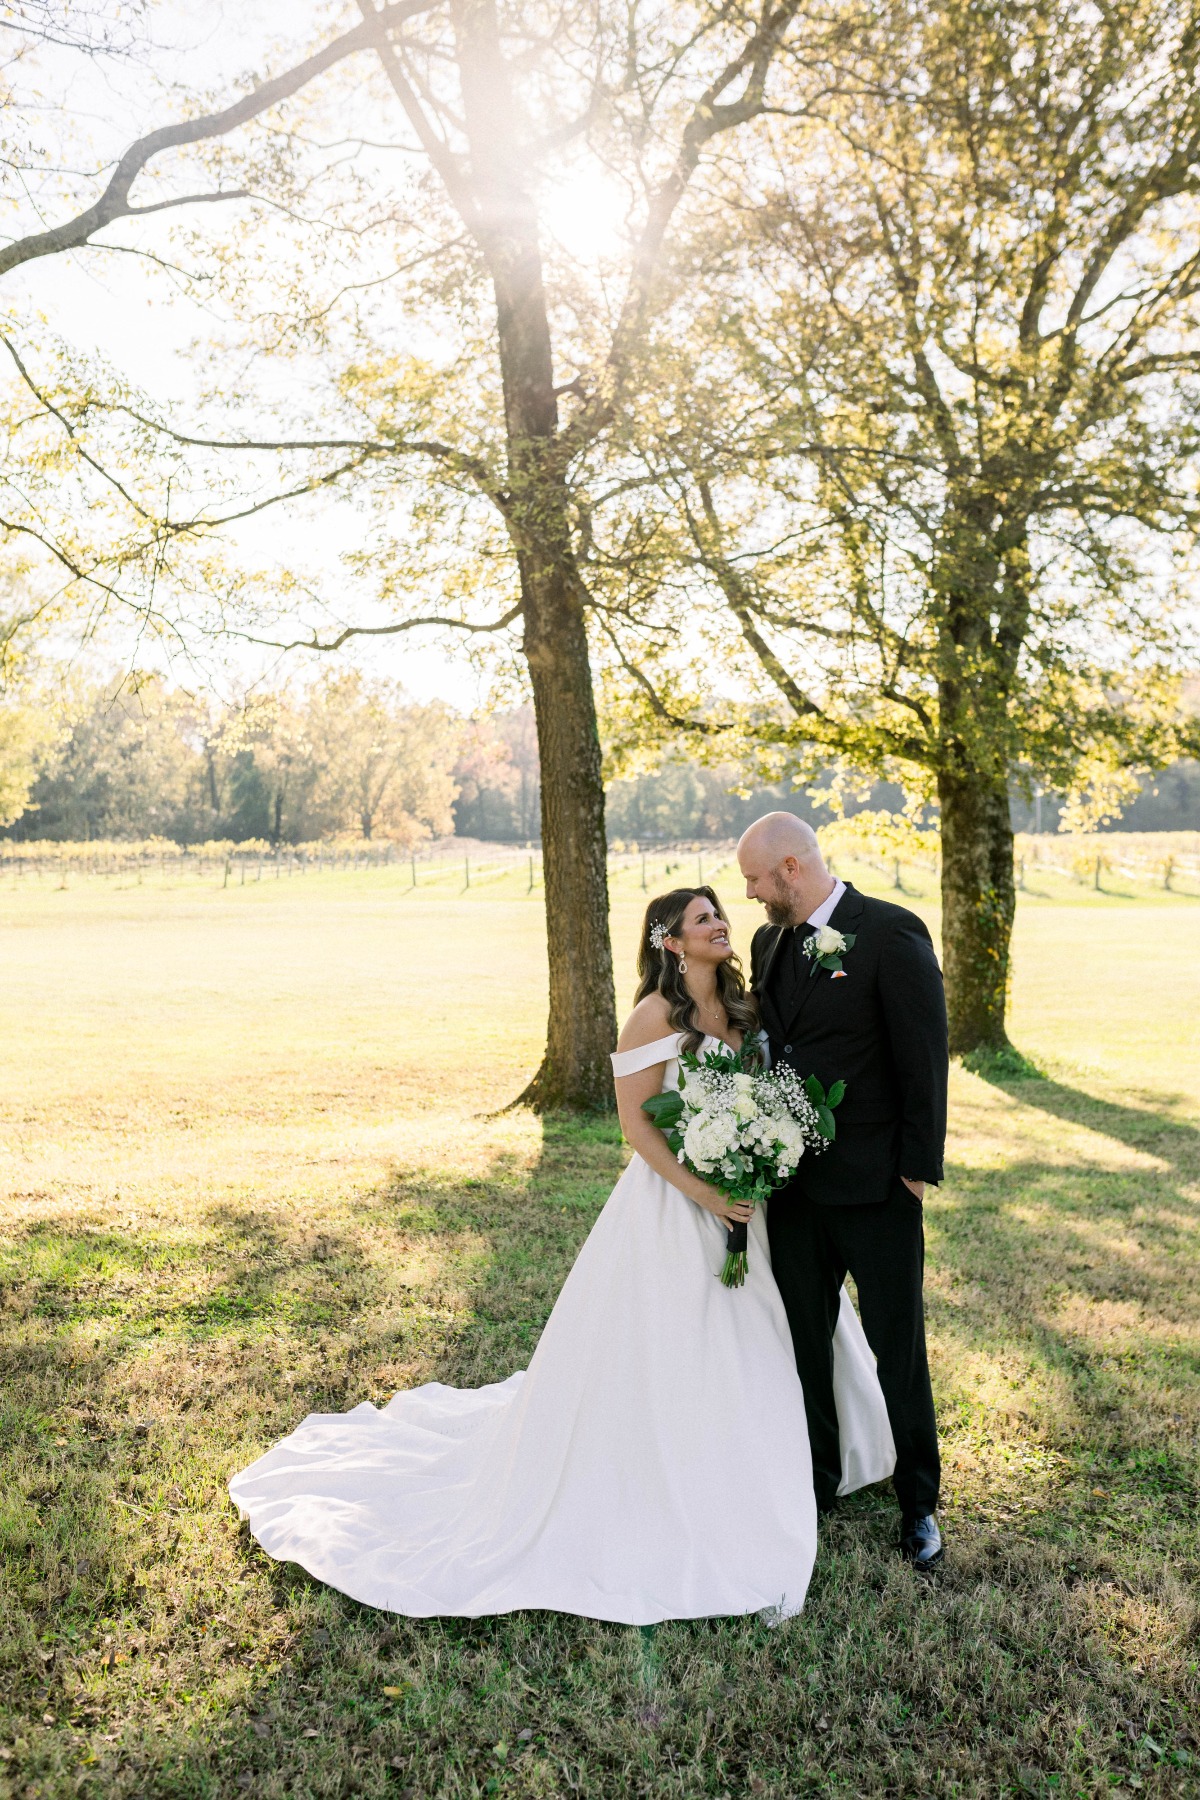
(114, 202)
(353, 631)
(461, 461)
(705, 727)
(67, 426)
(443, 159)
(709, 118)
(140, 212)
(734, 587)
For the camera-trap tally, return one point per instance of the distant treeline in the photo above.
(354, 756)
(349, 755)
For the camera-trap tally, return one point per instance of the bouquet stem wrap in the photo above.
(743, 1129)
(737, 1239)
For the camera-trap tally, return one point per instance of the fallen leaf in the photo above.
(310, 1733)
(394, 1693)
(523, 1737)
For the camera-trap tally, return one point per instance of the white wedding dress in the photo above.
(651, 1463)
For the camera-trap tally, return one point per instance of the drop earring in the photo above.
(683, 965)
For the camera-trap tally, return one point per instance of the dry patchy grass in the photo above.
(248, 1173)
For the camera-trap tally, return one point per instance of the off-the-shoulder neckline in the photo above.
(672, 1037)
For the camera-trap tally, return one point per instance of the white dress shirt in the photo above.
(826, 909)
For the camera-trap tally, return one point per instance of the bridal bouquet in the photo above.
(743, 1128)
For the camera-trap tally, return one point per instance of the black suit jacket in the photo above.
(882, 1030)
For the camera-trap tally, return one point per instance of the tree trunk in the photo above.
(575, 1070)
(211, 764)
(582, 1027)
(978, 903)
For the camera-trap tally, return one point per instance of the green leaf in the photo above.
(849, 937)
(814, 1090)
(835, 1094)
(665, 1109)
(826, 1123)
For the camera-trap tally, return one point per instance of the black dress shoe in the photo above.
(921, 1543)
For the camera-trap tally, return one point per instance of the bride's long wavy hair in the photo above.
(658, 970)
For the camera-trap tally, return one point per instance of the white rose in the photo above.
(827, 941)
(745, 1106)
(743, 1083)
(790, 1140)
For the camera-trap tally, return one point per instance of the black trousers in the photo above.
(883, 1247)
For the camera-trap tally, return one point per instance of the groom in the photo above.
(880, 1026)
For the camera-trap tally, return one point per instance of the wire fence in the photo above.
(1168, 861)
(469, 863)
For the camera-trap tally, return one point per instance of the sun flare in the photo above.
(585, 212)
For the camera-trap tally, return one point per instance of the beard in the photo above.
(778, 911)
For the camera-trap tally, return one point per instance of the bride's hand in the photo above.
(730, 1212)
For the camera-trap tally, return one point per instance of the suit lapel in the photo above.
(843, 915)
(770, 955)
(769, 959)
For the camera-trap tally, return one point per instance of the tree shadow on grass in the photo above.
(224, 1342)
(1145, 1128)
(1074, 1283)
(493, 1250)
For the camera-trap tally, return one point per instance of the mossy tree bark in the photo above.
(978, 907)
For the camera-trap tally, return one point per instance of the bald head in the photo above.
(784, 869)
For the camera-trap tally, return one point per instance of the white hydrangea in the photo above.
(709, 1137)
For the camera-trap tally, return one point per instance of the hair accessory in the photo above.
(658, 934)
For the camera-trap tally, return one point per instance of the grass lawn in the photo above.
(248, 1171)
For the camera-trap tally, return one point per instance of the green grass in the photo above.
(252, 1166)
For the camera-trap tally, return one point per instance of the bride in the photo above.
(652, 1462)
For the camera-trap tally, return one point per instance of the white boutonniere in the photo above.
(826, 948)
